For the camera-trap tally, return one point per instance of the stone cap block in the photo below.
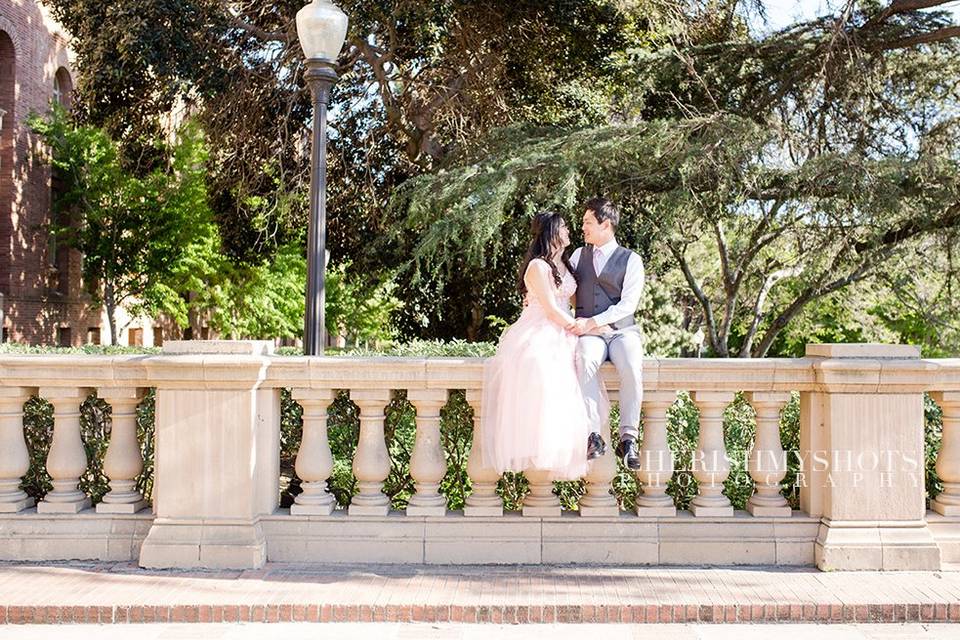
(863, 350)
(209, 347)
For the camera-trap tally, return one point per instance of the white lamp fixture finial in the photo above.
(322, 29)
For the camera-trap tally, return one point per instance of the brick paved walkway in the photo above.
(121, 592)
(451, 631)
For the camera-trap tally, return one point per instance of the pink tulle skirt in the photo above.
(533, 413)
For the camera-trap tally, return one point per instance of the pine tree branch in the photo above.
(902, 6)
(938, 35)
(912, 228)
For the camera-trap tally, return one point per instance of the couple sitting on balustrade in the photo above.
(544, 404)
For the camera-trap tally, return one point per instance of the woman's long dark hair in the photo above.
(545, 229)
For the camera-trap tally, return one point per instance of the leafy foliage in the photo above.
(783, 168)
(441, 73)
(133, 231)
(801, 163)
(419, 81)
(150, 244)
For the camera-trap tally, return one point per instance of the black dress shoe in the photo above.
(596, 447)
(627, 451)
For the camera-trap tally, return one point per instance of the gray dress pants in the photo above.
(624, 348)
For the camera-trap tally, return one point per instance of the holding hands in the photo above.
(581, 326)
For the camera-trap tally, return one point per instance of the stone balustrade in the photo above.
(216, 476)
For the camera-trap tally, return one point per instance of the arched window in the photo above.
(58, 255)
(8, 66)
(8, 62)
(63, 88)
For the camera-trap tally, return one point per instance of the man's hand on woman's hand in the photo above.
(581, 326)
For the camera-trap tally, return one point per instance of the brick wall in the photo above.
(41, 304)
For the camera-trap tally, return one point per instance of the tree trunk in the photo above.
(476, 323)
(109, 301)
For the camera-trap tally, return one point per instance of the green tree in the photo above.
(744, 235)
(419, 81)
(133, 231)
(149, 243)
(267, 299)
(782, 169)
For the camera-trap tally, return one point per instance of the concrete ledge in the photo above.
(87, 535)
(863, 350)
(626, 539)
(235, 347)
(946, 532)
(204, 544)
(509, 539)
(866, 546)
(896, 366)
(459, 540)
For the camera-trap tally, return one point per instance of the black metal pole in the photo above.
(320, 77)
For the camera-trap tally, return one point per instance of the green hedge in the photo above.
(456, 428)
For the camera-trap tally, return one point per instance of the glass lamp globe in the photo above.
(321, 28)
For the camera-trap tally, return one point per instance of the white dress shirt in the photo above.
(632, 282)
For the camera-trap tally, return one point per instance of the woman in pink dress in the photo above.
(534, 415)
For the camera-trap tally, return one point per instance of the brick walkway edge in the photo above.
(122, 593)
(510, 614)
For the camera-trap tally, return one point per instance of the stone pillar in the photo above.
(314, 459)
(483, 500)
(541, 501)
(123, 462)
(767, 462)
(217, 469)
(371, 462)
(14, 457)
(67, 459)
(947, 502)
(428, 465)
(656, 458)
(710, 464)
(868, 400)
(812, 474)
(599, 499)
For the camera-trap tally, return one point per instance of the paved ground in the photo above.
(398, 631)
(121, 592)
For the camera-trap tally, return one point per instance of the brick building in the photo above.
(41, 297)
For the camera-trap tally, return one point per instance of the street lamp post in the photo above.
(321, 28)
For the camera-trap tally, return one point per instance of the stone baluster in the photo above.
(541, 501)
(371, 462)
(710, 464)
(656, 458)
(314, 460)
(483, 500)
(67, 460)
(428, 464)
(599, 499)
(123, 462)
(768, 462)
(947, 501)
(14, 457)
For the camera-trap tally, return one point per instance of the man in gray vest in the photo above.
(609, 285)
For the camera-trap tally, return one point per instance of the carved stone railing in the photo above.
(216, 475)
